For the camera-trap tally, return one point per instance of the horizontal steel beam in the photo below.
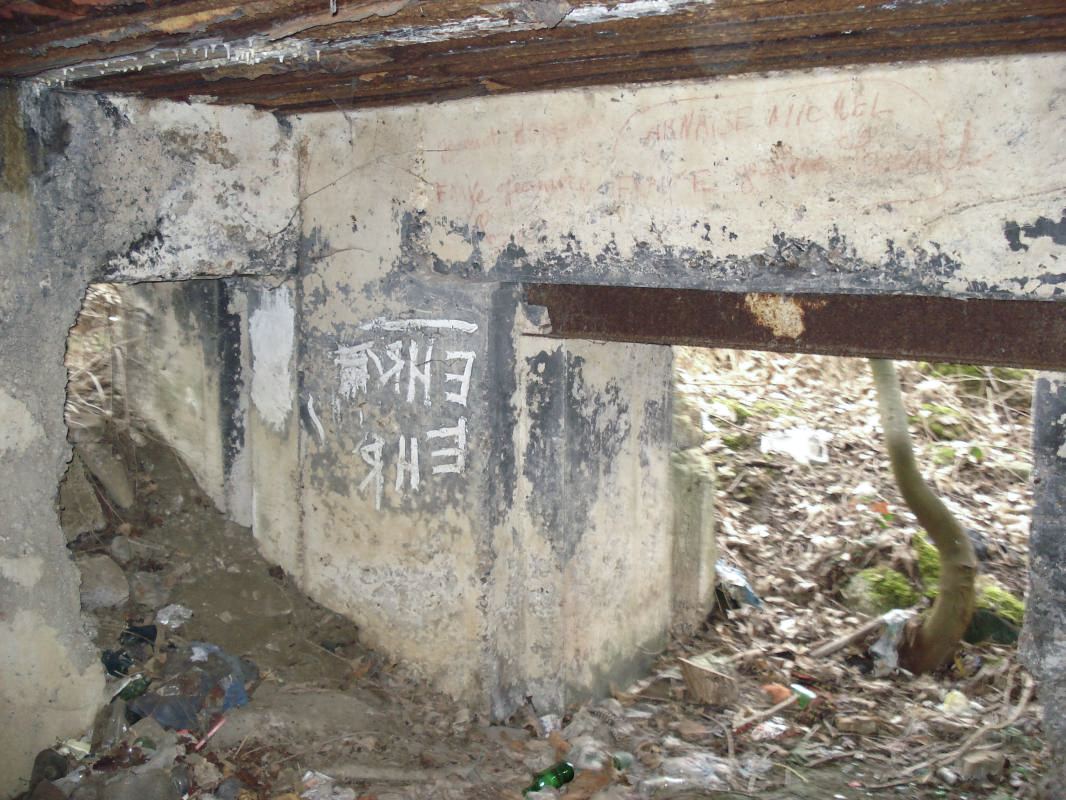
(1024, 333)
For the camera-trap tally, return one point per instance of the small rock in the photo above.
(103, 583)
(947, 776)
(109, 469)
(148, 589)
(862, 725)
(981, 765)
(124, 549)
(205, 775)
(80, 511)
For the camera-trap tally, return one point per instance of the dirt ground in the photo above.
(322, 702)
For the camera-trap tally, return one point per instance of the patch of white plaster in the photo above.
(271, 333)
(635, 9)
(315, 420)
(25, 571)
(19, 429)
(382, 324)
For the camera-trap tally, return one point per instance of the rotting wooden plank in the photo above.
(471, 49)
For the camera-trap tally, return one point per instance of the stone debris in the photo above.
(79, 508)
(109, 470)
(103, 583)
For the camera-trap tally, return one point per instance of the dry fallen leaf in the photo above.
(556, 740)
(588, 782)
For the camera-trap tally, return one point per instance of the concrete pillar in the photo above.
(1043, 642)
(694, 518)
(491, 508)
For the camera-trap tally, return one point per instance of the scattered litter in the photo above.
(858, 724)
(804, 445)
(768, 730)
(316, 786)
(735, 584)
(957, 704)
(76, 748)
(553, 777)
(198, 681)
(549, 723)
(173, 616)
(886, 649)
(693, 772)
(948, 776)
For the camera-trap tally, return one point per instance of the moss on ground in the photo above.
(880, 589)
(998, 600)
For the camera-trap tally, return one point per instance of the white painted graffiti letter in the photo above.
(407, 466)
(371, 454)
(462, 378)
(414, 374)
(457, 453)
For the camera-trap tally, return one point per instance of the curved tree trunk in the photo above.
(934, 640)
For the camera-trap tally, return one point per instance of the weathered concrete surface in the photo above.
(931, 179)
(91, 189)
(460, 477)
(185, 380)
(1043, 642)
(695, 551)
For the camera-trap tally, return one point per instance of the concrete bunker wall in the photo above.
(930, 179)
(94, 190)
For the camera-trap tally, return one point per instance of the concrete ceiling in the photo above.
(306, 55)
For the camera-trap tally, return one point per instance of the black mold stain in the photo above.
(118, 119)
(502, 414)
(1047, 541)
(545, 455)
(654, 427)
(48, 134)
(151, 239)
(597, 424)
(574, 432)
(231, 378)
(790, 264)
(1056, 231)
(284, 123)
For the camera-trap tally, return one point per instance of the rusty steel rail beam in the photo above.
(1023, 333)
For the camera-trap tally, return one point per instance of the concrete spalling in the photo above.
(369, 386)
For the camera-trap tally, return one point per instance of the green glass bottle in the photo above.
(552, 778)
